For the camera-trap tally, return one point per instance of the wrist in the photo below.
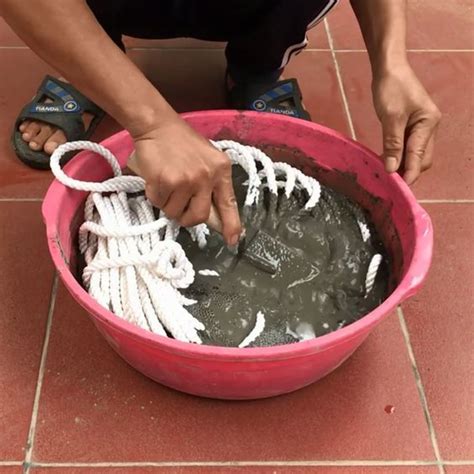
(144, 117)
(388, 60)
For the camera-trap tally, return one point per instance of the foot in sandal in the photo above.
(58, 113)
(279, 96)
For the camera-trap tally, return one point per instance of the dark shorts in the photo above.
(261, 35)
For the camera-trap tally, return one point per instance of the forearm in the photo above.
(75, 44)
(383, 25)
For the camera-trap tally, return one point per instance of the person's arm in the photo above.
(182, 170)
(408, 115)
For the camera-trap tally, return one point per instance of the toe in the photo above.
(56, 139)
(23, 125)
(31, 131)
(42, 137)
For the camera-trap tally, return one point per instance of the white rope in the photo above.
(134, 267)
(208, 272)
(273, 175)
(364, 230)
(372, 273)
(256, 331)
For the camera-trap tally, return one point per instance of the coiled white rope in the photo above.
(134, 267)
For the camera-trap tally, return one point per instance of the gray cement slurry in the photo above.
(316, 285)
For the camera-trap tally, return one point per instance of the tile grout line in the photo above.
(39, 383)
(339, 80)
(235, 463)
(342, 50)
(21, 199)
(420, 388)
(347, 463)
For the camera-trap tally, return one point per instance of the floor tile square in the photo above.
(442, 330)
(451, 176)
(344, 29)
(7, 36)
(188, 79)
(26, 277)
(317, 78)
(11, 469)
(317, 37)
(440, 25)
(430, 25)
(467, 469)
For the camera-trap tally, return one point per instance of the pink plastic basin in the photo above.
(233, 373)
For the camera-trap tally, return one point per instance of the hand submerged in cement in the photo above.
(184, 173)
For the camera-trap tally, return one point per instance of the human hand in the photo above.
(409, 121)
(184, 173)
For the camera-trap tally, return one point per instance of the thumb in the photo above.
(393, 142)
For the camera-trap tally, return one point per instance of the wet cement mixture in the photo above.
(316, 281)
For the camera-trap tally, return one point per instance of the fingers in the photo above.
(184, 174)
(427, 162)
(157, 194)
(198, 209)
(180, 204)
(418, 150)
(226, 204)
(177, 203)
(393, 142)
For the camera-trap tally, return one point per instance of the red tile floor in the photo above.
(70, 405)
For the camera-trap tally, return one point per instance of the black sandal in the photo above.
(64, 112)
(282, 97)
